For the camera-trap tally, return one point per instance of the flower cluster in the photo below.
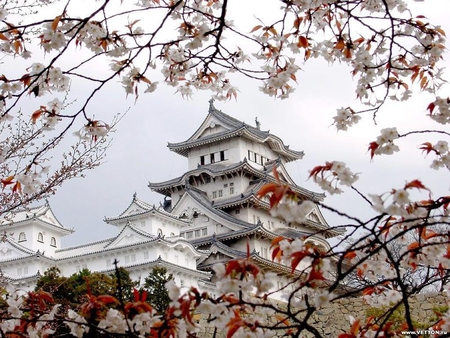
(397, 202)
(385, 143)
(440, 110)
(441, 150)
(332, 173)
(345, 118)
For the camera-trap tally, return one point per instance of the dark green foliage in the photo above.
(126, 283)
(58, 286)
(155, 285)
(73, 289)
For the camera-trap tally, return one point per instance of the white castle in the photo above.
(210, 214)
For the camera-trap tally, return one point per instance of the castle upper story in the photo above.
(222, 139)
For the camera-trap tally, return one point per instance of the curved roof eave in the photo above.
(274, 142)
(157, 211)
(160, 261)
(162, 187)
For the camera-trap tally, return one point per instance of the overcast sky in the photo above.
(139, 152)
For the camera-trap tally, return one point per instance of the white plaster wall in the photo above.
(226, 145)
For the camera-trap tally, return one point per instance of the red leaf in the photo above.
(56, 22)
(7, 181)
(303, 41)
(106, 299)
(267, 188)
(349, 255)
(372, 147)
(415, 184)
(17, 188)
(297, 258)
(431, 107)
(234, 324)
(255, 28)
(427, 147)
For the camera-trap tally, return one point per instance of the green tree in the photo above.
(60, 287)
(155, 285)
(126, 285)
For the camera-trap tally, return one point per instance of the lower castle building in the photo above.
(210, 214)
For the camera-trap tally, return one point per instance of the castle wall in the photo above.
(333, 319)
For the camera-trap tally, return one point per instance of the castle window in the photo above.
(214, 194)
(202, 160)
(204, 231)
(212, 158)
(40, 237)
(189, 234)
(53, 241)
(220, 193)
(22, 237)
(231, 190)
(222, 155)
(197, 233)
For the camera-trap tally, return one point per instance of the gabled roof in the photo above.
(8, 243)
(138, 208)
(206, 206)
(127, 231)
(231, 127)
(168, 265)
(42, 214)
(115, 243)
(221, 216)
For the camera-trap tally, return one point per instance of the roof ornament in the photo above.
(211, 105)
(134, 196)
(258, 124)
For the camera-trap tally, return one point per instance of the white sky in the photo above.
(139, 153)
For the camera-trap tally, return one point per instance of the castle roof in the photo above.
(120, 241)
(246, 228)
(138, 208)
(238, 254)
(42, 214)
(231, 127)
(218, 169)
